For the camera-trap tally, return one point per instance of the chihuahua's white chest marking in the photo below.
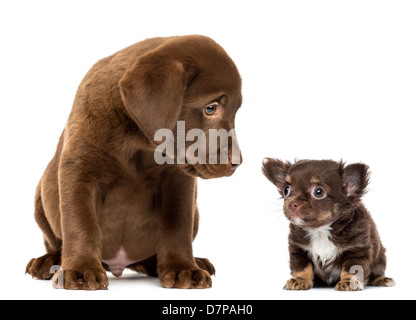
(118, 263)
(321, 248)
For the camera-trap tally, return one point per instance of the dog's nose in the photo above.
(234, 166)
(235, 161)
(293, 206)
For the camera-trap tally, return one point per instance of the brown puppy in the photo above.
(332, 236)
(103, 201)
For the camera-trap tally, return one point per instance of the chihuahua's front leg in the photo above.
(354, 274)
(301, 270)
(176, 264)
(81, 246)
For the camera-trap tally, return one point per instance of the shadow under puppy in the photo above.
(332, 235)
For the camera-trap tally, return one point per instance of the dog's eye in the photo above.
(319, 193)
(286, 191)
(209, 110)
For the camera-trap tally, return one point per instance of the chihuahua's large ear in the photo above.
(355, 179)
(153, 89)
(276, 170)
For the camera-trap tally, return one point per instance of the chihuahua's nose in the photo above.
(293, 206)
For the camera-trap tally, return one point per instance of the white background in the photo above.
(322, 80)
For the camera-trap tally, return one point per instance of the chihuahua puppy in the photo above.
(333, 238)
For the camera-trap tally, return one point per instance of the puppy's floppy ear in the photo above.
(355, 178)
(276, 170)
(153, 89)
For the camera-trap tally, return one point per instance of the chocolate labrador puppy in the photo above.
(104, 203)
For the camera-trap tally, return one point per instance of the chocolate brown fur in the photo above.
(330, 227)
(103, 195)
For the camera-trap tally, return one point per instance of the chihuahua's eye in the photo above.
(286, 191)
(319, 193)
(209, 110)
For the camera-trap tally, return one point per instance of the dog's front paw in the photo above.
(184, 278)
(297, 284)
(205, 264)
(81, 276)
(383, 282)
(40, 268)
(352, 284)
